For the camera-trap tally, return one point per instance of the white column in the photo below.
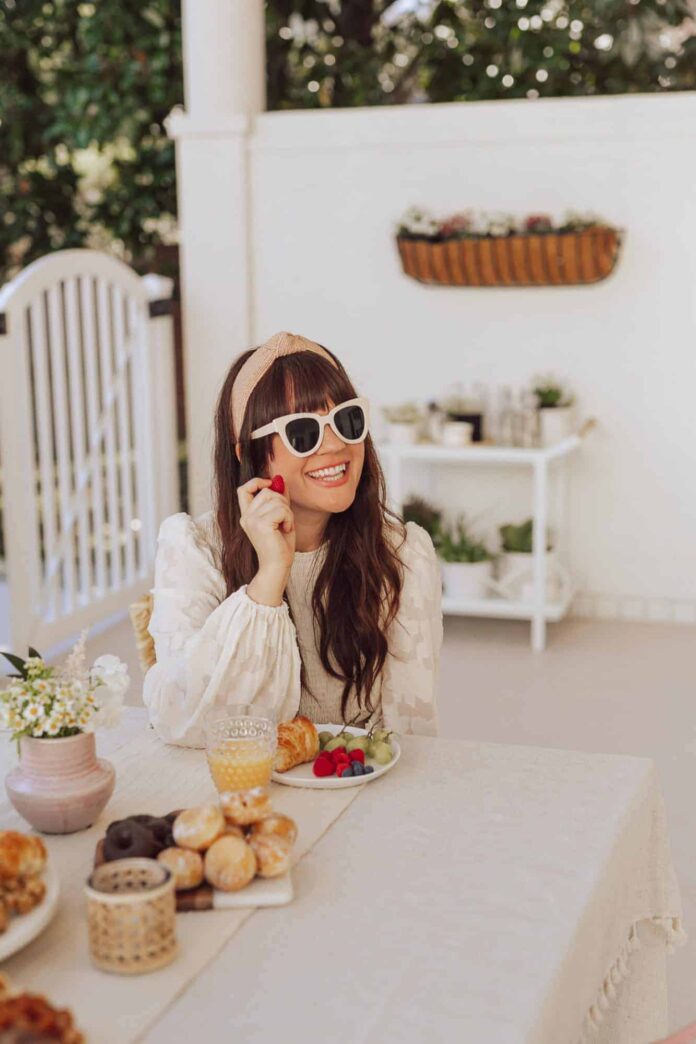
(224, 80)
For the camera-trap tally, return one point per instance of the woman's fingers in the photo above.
(245, 493)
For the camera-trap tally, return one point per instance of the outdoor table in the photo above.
(475, 893)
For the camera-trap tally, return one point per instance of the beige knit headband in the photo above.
(260, 362)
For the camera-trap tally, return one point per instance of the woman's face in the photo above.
(332, 492)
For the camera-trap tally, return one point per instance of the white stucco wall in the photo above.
(326, 189)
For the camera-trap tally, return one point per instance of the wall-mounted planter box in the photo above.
(551, 259)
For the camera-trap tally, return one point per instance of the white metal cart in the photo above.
(547, 465)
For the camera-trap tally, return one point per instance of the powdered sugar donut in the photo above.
(277, 823)
(186, 866)
(230, 864)
(198, 827)
(243, 807)
(272, 854)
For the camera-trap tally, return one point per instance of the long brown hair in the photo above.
(357, 591)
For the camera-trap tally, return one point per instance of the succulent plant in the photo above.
(457, 544)
(419, 510)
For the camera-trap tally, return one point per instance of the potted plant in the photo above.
(465, 561)
(403, 423)
(555, 406)
(419, 510)
(469, 249)
(59, 785)
(515, 577)
(463, 421)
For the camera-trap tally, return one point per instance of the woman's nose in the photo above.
(331, 442)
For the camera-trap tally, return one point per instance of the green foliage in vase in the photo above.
(519, 538)
(551, 394)
(419, 510)
(457, 544)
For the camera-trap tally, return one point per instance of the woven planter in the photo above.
(552, 259)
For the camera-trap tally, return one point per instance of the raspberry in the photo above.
(337, 751)
(323, 767)
(277, 484)
(358, 755)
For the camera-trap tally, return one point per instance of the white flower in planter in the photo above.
(418, 222)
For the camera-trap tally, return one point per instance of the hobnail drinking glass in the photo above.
(240, 746)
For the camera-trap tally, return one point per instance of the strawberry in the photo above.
(357, 755)
(323, 767)
(277, 484)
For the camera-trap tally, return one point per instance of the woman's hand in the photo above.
(268, 521)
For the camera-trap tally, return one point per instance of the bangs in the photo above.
(299, 383)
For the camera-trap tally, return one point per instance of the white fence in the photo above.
(87, 439)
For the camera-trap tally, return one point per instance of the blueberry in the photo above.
(358, 769)
(368, 769)
(347, 771)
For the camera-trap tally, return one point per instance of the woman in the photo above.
(317, 600)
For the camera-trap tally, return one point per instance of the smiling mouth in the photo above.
(334, 476)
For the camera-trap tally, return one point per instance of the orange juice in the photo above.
(240, 764)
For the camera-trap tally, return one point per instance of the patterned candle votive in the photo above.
(131, 916)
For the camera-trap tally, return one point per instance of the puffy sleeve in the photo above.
(211, 649)
(411, 670)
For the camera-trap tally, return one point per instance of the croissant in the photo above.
(298, 741)
(21, 855)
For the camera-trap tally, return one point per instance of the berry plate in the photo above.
(303, 775)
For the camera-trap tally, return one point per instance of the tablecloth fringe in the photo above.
(674, 936)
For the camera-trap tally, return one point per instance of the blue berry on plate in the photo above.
(358, 769)
(368, 769)
(347, 771)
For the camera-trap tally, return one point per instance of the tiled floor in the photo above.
(600, 686)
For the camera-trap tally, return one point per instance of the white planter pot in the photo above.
(457, 433)
(402, 434)
(464, 580)
(516, 577)
(555, 424)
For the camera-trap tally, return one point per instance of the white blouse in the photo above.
(214, 650)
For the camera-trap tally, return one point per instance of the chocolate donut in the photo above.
(128, 838)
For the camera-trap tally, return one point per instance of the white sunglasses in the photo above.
(303, 433)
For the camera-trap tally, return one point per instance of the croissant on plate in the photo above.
(298, 741)
(21, 855)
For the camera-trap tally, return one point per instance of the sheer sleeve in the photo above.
(212, 650)
(411, 671)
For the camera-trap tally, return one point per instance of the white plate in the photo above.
(22, 928)
(303, 775)
(262, 891)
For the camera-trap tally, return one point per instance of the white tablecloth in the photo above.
(476, 893)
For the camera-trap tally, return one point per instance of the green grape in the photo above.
(324, 738)
(358, 743)
(381, 735)
(382, 753)
(334, 743)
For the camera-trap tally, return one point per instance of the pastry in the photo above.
(230, 864)
(4, 916)
(272, 854)
(21, 855)
(243, 807)
(198, 827)
(27, 1017)
(298, 741)
(277, 823)
(231, 830)
(21, 894)
(128, 838)
(186, 866)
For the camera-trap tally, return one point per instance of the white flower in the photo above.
(419, 222)
(112, 672)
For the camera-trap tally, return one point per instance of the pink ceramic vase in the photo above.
(59, 785)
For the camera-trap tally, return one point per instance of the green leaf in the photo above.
(16, 662)
(33, 652)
